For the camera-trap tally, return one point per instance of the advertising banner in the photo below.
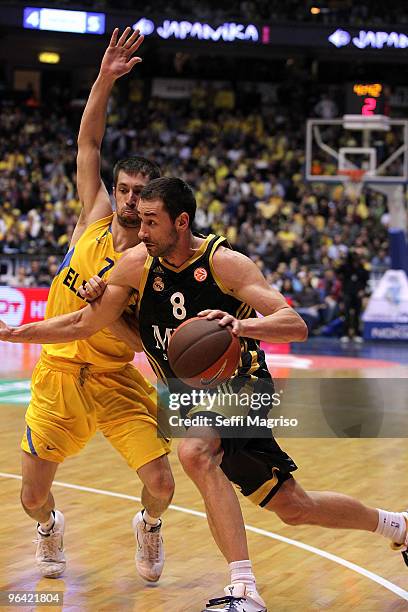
(386, 316)
(19, 306)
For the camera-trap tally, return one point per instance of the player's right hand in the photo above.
(5, 332)
(118, 59)
(92, 289)
(224, 319)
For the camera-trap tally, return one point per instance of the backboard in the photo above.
(376, 144)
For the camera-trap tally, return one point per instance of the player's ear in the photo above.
(182, 222)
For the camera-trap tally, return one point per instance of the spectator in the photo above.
(354, 278)
(337, 249)
(330, 288)
(288, 291)
(21, 279)
(380, 263)
(308, 304)
(326, 108)
(40, 273)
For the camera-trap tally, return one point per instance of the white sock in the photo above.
(46, 527)
(392, 525)
(241, 571)
(150, 520)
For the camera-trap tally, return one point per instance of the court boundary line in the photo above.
(390, 586)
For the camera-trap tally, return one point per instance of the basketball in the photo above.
(202, 353)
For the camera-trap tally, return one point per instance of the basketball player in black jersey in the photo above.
(233, 288)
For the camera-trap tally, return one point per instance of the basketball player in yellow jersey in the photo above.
(79, 387)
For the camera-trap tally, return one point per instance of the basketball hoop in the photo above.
(354, 175)
(353, 182)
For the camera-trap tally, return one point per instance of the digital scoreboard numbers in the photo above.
(59, 20)
(365, 98)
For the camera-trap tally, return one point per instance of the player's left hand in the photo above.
(225, 319)
(92, 289)
(118, 59)
(5, 332)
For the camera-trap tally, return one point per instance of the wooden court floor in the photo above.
(298, 568)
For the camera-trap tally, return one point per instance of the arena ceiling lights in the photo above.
(49, 57)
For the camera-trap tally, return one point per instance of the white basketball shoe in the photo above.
(149, 549)
(49, 556)
(238, 598)
(403, 548)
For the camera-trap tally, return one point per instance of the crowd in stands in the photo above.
(246, 170)
(36, 273)
(375, 12)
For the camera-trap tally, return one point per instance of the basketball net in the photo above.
(353, 182)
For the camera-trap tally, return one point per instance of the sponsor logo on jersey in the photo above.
(158, 270)
(162, 342)
(158, 284)
(200, 274)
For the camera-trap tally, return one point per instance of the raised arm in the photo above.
(240, 277)
(87, 321)
(116, 62)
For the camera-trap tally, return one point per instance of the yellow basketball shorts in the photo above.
(70, 402)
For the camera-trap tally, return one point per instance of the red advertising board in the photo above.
(18, 306)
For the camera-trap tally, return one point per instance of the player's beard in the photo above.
(125, 221)
(167, 249)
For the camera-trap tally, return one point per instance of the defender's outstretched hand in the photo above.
(118, 59)
(5, 332)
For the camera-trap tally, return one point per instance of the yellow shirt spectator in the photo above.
(362, 210)
(215, 208)
(258, 188)
(269, 208)
(319, 222)
(287, 236)
(224, 98)
(231, 234)
(221, 172)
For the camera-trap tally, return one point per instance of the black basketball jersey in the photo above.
(169, 295)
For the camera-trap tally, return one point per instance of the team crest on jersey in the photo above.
(200, 274)
(158, 284)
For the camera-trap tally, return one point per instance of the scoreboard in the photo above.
(365, 98)
(61, 20)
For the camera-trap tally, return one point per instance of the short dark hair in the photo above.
(134, 165)
(175, 194)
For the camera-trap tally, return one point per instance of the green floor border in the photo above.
(15, 391)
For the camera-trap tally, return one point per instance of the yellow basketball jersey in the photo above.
(92, 254)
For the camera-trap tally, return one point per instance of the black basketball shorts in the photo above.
(252, 459)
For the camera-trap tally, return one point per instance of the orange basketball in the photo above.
(203, 354)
